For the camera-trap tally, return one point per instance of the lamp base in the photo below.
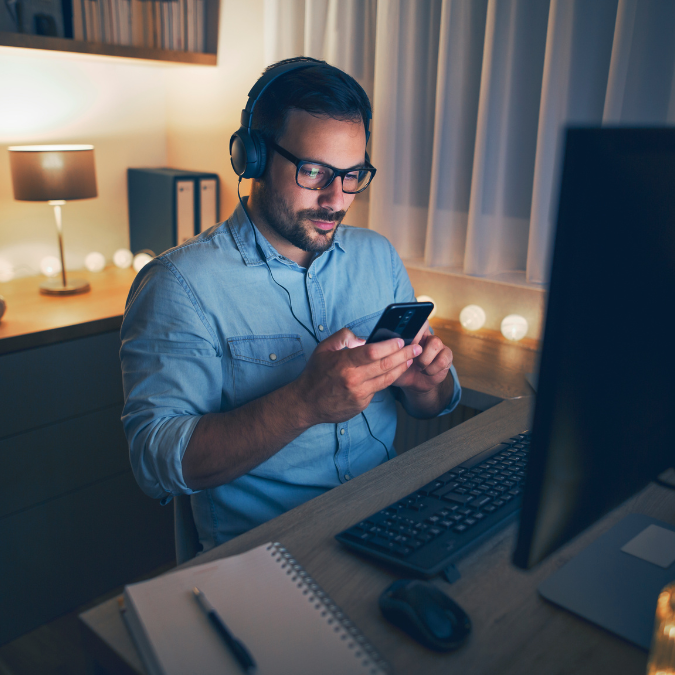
(56, 287)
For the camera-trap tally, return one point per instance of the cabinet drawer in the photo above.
(47, 384)
(43, 463)
(62, 554)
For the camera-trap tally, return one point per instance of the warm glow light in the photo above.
(3, 306)
(6, 270)
(426, 298)
(514, 327)
(141, 260)
(123, 258)
(40, 96)
(94, 262)
(472, 317)
(50, 266)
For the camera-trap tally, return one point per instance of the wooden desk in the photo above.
(515, 631)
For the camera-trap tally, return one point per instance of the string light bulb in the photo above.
(472, 317)
(123, 258)
(141, 260)
(6, 270)
(50, 266)
(514, 327)
(426, 298)
(95, 262)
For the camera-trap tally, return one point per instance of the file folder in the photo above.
(169, 206)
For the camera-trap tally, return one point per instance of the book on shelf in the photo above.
(174, 25)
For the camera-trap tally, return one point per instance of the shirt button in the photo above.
(320, 327)
(273, 357)
(309, 274)
(347, 476)
(342, 432)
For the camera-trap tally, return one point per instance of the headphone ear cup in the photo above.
(256, 168)
(248, 153)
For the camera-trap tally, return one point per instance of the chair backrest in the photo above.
(185, 531)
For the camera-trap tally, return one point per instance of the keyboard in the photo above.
(436, 525)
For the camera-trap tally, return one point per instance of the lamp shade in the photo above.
(42, 173)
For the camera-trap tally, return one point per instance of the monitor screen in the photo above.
(604, 421)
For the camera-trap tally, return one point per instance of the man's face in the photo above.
(308, 219)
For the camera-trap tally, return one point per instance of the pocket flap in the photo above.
(269, 350)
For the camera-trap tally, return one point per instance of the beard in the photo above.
(295, 226)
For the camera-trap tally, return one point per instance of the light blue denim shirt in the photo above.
(207, 330)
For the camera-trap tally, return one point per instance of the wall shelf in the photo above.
(26, 41)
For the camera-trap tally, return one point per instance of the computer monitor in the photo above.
(604, 421)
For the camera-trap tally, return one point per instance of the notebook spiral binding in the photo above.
(356, 640)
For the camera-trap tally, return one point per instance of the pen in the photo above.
(235, 646)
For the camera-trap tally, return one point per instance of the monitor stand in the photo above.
(616, 581)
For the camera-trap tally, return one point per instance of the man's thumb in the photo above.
(343, 339)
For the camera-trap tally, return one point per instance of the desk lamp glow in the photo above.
(54, 174)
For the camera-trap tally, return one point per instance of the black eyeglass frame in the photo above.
(299, 163)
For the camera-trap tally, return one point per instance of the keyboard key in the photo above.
(482, 501)
(507, 497)
(458, 499)
(478, 516)
(470, 521)
(515, 491)
(434, 531)
(382, 542)
(475, 493)
(457, 470)
(433, 519)
(457, 516)
(424, 537)
(489, 508)
(498, 502)
(459, 528)
(402, 551)
(429, 488)
(492, 493)
(446, 523)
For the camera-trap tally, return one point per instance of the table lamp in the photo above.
(54, 174)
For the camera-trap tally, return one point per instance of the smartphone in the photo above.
(401, 320)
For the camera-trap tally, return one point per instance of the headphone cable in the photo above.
(262, 255)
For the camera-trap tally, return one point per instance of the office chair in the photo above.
(185, 531)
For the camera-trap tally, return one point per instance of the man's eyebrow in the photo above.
(362, 165)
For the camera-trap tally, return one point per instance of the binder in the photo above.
(169, 206)
(289, 625)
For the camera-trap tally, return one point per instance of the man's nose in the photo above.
(332, 197)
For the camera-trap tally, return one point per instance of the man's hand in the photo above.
(426, 386)
(343, 374)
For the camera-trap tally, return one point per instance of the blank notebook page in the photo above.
(288, 624)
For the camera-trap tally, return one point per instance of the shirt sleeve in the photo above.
(172, 375)
(404, 292)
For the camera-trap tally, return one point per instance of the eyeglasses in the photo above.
(317, 176)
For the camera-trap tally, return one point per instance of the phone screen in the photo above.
(402, 320)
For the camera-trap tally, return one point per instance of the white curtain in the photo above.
(470, 99)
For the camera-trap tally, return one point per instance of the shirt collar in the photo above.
(242, 229)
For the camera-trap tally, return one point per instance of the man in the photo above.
(247, 381)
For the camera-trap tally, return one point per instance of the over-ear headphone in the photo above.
(248, 151)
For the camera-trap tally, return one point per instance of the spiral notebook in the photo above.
(289, 625)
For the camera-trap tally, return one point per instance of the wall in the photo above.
(135, 113)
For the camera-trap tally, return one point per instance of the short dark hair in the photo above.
(320, 89)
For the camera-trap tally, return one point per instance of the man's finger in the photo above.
(421, 333)
(371, 353)
(390, 362)
(387, 379)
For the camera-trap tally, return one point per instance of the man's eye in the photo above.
(352, 177)
(312, 172)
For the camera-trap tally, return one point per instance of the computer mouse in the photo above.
(425, 613)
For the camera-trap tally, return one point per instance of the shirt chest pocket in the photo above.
(263, 363)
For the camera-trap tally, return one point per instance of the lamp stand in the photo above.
(56, 286)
